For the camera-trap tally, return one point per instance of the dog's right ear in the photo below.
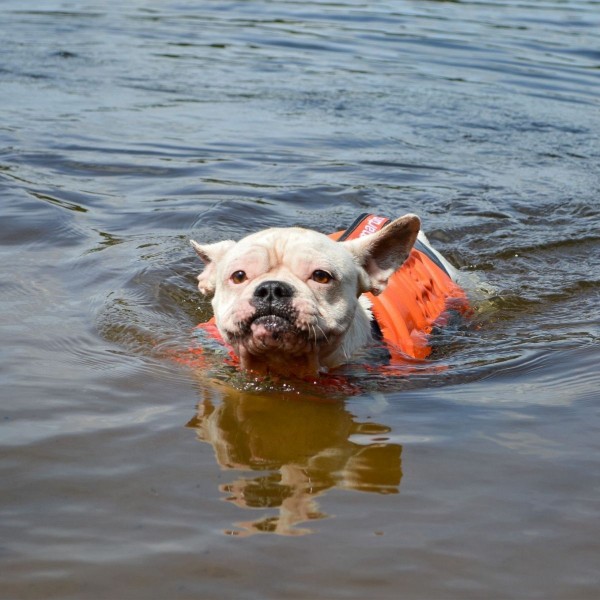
(210, 255)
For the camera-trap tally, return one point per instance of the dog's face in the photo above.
(287, 300)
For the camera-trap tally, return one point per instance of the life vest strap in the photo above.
(364, 224)
(368, 223)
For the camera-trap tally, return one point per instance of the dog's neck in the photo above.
(301, 367)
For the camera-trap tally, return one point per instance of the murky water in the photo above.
(127, 129)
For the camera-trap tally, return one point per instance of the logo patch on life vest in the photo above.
(365, 224)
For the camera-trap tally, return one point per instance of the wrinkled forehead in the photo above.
(290, 247)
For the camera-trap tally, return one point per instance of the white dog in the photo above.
(290, 301)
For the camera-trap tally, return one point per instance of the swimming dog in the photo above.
(293, 301)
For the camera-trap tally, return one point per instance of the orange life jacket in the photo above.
(418, 297)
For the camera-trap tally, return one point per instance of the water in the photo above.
(128, 129)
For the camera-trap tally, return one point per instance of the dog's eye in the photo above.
(321, 276)
(239, 277)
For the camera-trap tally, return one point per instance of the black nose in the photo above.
(270, 291)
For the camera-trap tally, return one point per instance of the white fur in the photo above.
(327, 321)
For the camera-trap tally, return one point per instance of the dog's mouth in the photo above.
(275, 325)
(276, 318)
(274, 330)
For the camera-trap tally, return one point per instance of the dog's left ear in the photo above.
(382, 253)
(210, 254)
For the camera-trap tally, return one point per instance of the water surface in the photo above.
(128, 129)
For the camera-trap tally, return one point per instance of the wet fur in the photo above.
(320, 325)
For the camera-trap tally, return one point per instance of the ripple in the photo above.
(538, 379)
(126, 130)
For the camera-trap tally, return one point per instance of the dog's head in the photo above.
(287, 300)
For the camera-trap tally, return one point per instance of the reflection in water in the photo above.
(300, 448)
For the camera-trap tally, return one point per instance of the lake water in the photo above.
(128, 128)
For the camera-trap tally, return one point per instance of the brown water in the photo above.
(126, 130)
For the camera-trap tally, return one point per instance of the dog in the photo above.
(296, 302)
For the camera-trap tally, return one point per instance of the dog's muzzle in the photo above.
(274, 311)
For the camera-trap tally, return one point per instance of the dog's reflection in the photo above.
(301, 449)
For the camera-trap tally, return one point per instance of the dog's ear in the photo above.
(210, 254)
(383, 252)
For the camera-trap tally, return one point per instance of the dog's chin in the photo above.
(274, 333)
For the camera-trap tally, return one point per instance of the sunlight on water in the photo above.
(129, 129)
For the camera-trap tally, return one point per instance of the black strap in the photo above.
(420, 246)
(354, 226)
